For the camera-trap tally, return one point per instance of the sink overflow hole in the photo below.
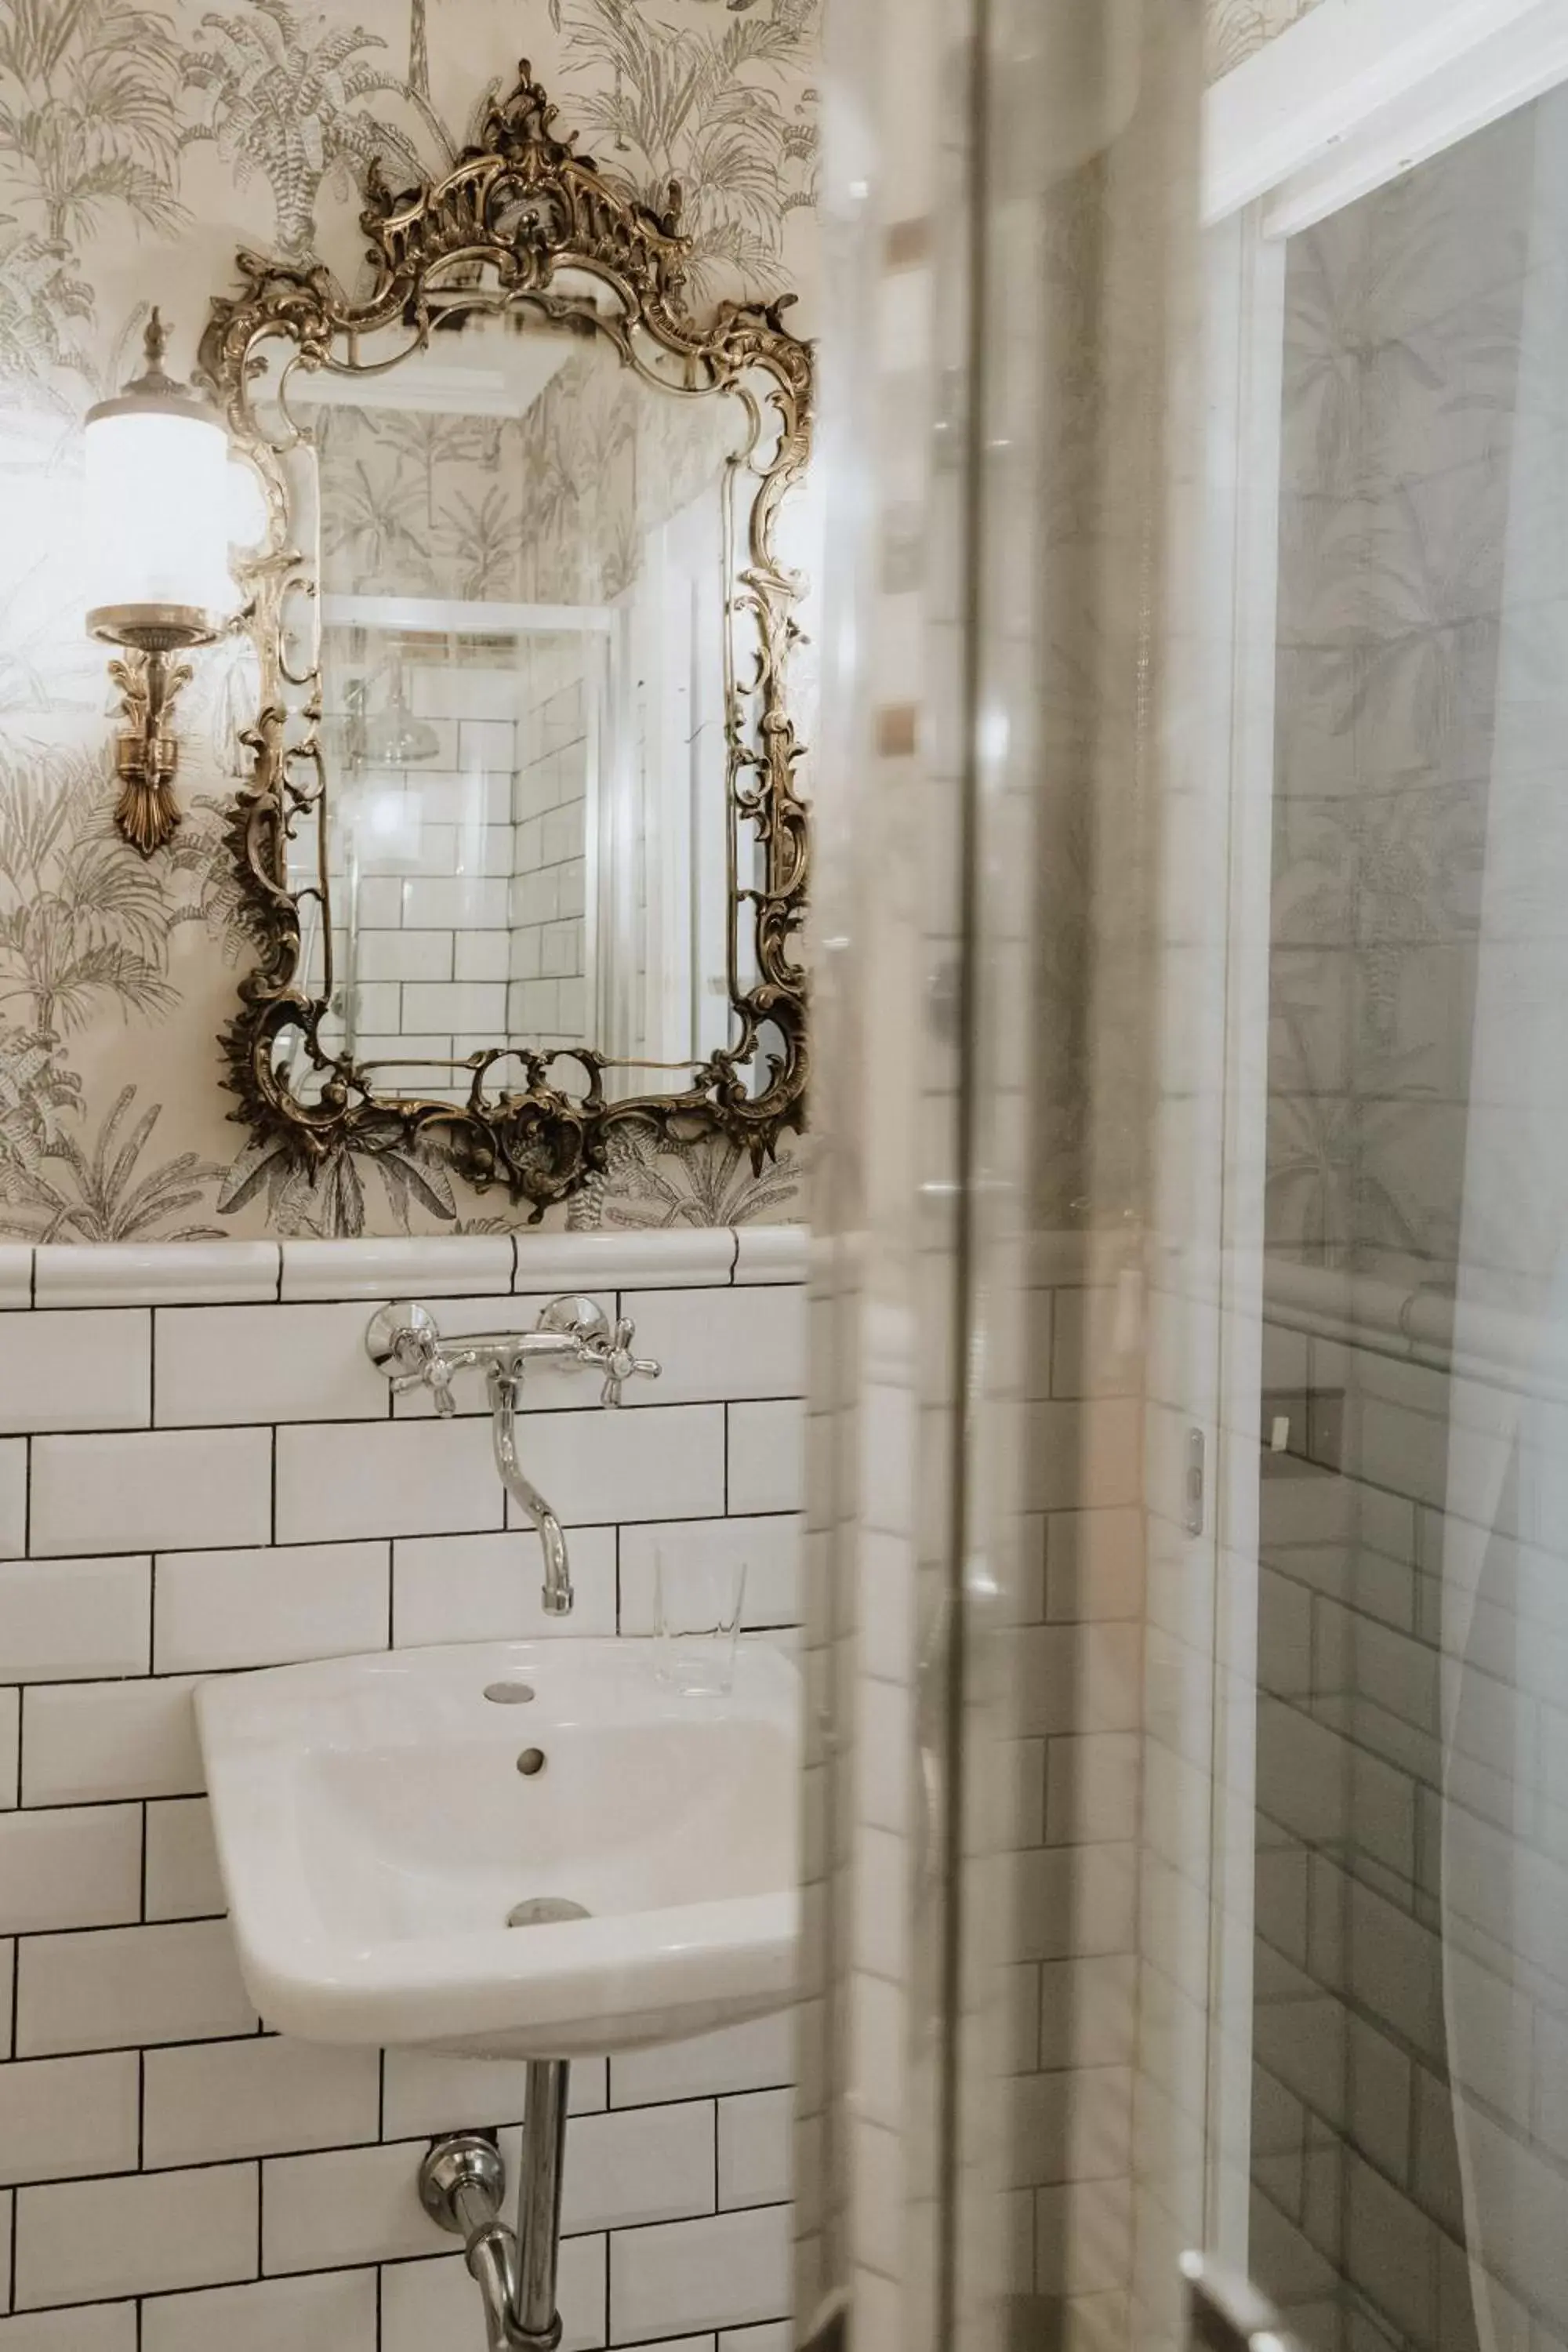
(542, 1910)
(509, 1694)
(531, 1761)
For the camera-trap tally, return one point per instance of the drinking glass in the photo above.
(696, 1622)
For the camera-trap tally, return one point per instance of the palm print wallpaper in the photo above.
(1234, 29)
(1403, 385)
(139, 146)
(552, 506)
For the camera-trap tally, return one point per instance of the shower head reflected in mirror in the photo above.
(395, 737)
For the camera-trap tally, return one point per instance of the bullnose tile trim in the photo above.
(243, 1273)
(154, 1274)
(685, 1258)
(15, 1275)
(449, 1265)
(771, 1253)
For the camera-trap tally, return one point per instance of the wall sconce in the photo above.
(157, 511)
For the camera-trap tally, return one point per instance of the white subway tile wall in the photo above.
(1404, 1794)
(471, 890)
(219, 1483)
(547, 968)
(1079, 1709)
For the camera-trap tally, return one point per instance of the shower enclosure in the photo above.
(1396, 2127)
(1189, 1821)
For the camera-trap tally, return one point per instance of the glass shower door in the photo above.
(1397, 2173)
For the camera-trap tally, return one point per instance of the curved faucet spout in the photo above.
(506, 1387)
(404, 1342)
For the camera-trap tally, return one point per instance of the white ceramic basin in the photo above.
(374, 1833)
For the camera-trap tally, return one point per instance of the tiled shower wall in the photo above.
(202, 1473)
(1380, 1817)
(432, 948)
(548, 996)
(472, 910)
(1080, 1659)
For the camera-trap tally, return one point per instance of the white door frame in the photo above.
(1360, 91)
(1245, 302)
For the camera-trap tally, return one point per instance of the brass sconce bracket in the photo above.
(146, 752)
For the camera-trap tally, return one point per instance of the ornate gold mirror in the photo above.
(523, 845)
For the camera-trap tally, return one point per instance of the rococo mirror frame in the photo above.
(521, 206)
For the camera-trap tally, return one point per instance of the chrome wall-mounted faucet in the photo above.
(404, 1342)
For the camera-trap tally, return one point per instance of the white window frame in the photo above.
(1355, 93)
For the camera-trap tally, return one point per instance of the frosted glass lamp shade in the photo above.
(157, 514)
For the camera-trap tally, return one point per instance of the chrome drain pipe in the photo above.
(462, 2187)
(539, 2201)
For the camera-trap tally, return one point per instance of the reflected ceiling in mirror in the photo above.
(524, 846)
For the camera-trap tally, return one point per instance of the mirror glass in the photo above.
(524, 633)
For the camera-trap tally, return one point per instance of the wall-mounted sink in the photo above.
(381, 1820)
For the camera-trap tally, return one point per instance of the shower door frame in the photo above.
(1354, 95)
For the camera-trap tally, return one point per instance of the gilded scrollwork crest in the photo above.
(519, 213)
